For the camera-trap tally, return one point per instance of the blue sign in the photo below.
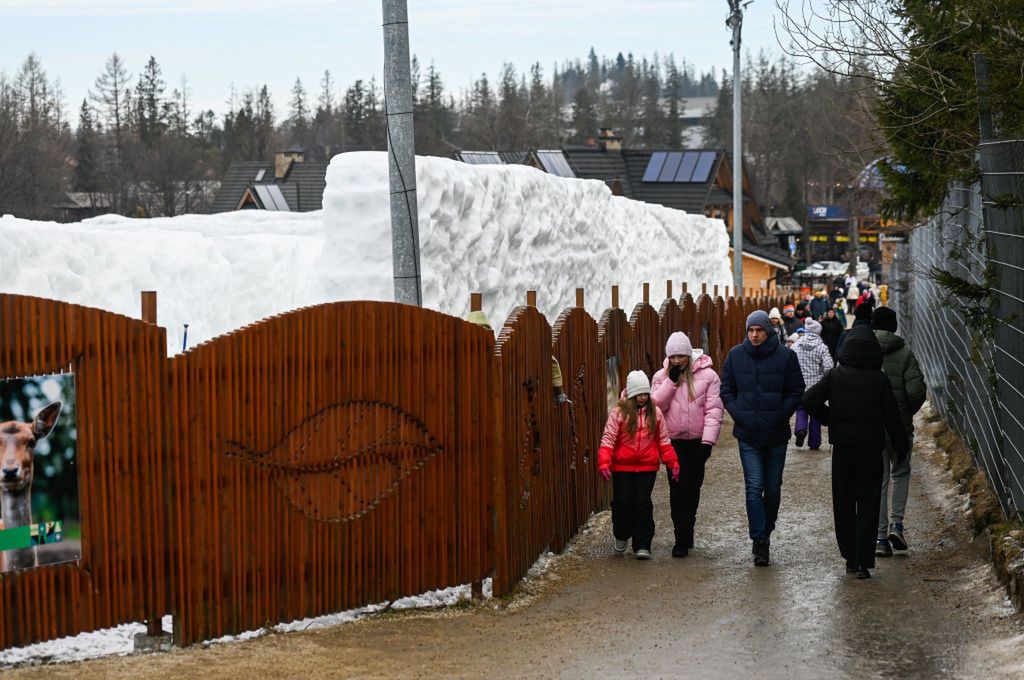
(827, 212)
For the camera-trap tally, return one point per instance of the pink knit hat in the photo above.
(678, 343)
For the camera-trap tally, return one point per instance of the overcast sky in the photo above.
(217, 43)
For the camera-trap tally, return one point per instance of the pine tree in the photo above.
(298, 119)
(149, 93)
(584, 116)
(87, 152)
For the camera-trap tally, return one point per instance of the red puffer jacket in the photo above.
(640, 452)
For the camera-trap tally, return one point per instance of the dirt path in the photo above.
(936, 613)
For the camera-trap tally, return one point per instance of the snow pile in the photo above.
(500, 230)
(503, 230)
(213, 272)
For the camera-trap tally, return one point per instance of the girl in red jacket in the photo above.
(634, 445)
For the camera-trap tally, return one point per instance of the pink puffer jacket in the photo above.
(698, 419)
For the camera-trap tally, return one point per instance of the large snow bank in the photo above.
(495, 229)
(503, 230)
(213, 272)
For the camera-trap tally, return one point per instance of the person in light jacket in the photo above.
(815, 362)
(686, 390)
(634, 445)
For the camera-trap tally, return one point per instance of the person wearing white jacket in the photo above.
(815, 362)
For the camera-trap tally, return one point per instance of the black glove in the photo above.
(673, 373)
(706, 450)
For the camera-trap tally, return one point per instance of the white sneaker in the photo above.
(643, 554)
(620, 546)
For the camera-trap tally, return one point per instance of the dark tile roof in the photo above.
(590, 163)
(770, 253)
(303, 186)
(629, 166)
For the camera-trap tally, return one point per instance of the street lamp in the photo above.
(735, 22)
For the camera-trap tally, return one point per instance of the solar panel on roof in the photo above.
(671, 167)
(654, 166)
(482, 158)
(687, 166)
(704, 165)
(554, 162)
(271, 197)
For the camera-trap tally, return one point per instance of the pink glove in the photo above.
(606, 473)
(675, 474)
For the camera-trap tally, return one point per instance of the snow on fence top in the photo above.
(499, 230)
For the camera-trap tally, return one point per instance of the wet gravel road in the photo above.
(934, 613)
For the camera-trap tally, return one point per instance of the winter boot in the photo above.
(800, 438)
(642, 554)
(620, 545)
(679, 551)
(761, 552)
(882, 548)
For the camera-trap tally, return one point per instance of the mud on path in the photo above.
(937, 612)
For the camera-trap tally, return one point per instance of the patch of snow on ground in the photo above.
(120, 641)
(108, 642)
(500, 230)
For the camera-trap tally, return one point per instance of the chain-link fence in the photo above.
(959, 291)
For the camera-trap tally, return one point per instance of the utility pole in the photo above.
(735, 22)
(405, 235)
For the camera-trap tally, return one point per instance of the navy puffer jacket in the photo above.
(761, 388)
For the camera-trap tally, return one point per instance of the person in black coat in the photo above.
(761, 388)
(831, 329)
(856, 401)
(861, 317)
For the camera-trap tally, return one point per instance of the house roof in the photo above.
(771, 254)
(782, 226)
(302, 188)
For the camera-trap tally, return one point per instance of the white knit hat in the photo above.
(775, 313)
(637, 383)
(678, 344)
(812, 326)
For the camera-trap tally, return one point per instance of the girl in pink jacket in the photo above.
(634, 445)
(687, 392)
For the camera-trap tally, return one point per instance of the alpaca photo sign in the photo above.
(39, 516)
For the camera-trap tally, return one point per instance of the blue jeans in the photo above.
(762, 475)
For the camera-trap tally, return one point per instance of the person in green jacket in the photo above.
(907, 381)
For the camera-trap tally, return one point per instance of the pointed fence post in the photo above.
(149, 306)
(647, 293)
(531, 298)
(476, 302)
(579, 298)
(615, 297)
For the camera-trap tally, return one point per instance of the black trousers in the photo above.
(856, 493)
(684, 495)
(632, 508)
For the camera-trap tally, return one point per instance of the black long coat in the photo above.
(855, 398)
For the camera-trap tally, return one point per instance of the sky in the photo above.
(219, 43)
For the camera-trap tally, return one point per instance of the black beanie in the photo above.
(884, 319)
(863, 312)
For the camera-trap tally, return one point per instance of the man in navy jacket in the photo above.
(761, 388)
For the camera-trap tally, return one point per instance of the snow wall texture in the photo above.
(502, 230)
(499, 230)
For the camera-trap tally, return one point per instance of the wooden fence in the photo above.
(332, 457)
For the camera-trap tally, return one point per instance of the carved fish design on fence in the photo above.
(340, 463)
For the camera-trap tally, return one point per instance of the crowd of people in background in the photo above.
(863, 384)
